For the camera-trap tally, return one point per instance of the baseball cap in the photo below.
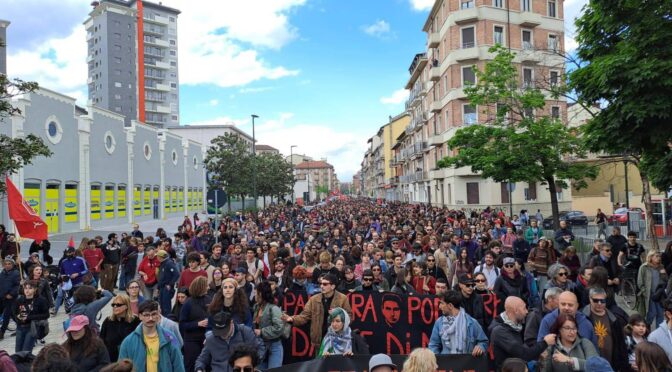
(241, 270)
(381, 360)
(162, 253)
(77, 323)
(70, 250)
(221, 324)
(508, 260)
(465, 278)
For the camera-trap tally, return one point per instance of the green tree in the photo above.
(16, 153)
(321, 189)
(628, 70)
(274, 176)
(515, 145)
(229, 165)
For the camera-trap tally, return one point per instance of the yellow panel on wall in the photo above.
(121, 202)
(147, 203)
(71, 206)
(180, 199)
(199, 201)
(95, 202)
(166, 199)
(32, 194)
(137, 201)
(51, 208)
(109, 202)
(173, 200)
(191, 199)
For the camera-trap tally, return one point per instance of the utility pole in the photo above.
(254, 163)
(291, 163)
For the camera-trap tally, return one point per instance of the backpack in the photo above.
(286, 327)
(481, 266)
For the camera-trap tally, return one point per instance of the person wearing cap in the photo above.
(151, 347)
(472, 303)
(168, 276)
(510, 282)
(455, 332)
(318, 307)
(9, 291)
(381, 363)
(226, 336)
(86, 350)
(73, 267)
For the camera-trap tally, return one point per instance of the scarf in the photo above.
(337, 342)
(516, 327)
(454, 333)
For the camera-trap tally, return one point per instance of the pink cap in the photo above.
(77, 323)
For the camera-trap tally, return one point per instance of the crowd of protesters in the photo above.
(192, 300)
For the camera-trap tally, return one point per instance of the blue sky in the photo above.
(323, 75)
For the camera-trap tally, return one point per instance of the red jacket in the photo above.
(149, 267)
(418, 284)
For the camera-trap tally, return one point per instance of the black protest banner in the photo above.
(360, 363)
(491, 304)
(389, 323)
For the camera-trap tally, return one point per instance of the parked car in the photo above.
(573, 218)
(620, 215)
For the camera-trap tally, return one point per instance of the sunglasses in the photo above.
(509, 265)
(367, 279)
(118, 305)
(469, 285)
(562, 274)
(599, 300)
(479, 281)
(243, 369)
(430, 260)
(375, 269)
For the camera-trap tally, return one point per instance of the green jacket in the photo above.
(270, 322)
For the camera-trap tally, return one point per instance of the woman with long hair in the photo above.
(481, 284)
(194, 321)
(420, 360)
(403, 286)
(118, 325)
(338, 340)
(462, 265)
(635, 332)
(180, 298)
(651, 358)
(570, 351)
(268, 325)
(423, 283)
(217, 280)
(364, 265)
(36, 273)
(86, 350)
(571, 260)
(233, 300)
(27, 308)
(650, 275)
(86, 303)
(378, 277)
(133, 291)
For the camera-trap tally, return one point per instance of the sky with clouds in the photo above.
(322, 75)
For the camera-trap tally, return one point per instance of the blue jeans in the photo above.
(6, 313)
(165, 299)
(24, 340)
(655, 315)
(273, 355)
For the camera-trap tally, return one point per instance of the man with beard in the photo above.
(472, 303)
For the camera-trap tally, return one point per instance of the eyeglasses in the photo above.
(479, 280)
(569, 329)
(509, 265)
(243, 369)
(367, 279)
(562, 274)
(431, 260)
(599, 300)
(118, 305)
(469, 285)
(375, 269)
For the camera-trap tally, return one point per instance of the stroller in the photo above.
(60, 283)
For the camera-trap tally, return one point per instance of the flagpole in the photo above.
(18, 250)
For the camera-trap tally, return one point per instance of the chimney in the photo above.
(3, 49)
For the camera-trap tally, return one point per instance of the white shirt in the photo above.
(491, 274)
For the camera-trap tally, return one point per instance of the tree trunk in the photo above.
(228, 202)
(264, 198)
(554, 202)
(242, 197)
(648, 206)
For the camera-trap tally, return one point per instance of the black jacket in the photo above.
(473, 305)
(93, 362)
(113, 332)
(9, 283)
(35, 308)
(508, 343)
(505, 287)
(620, 351)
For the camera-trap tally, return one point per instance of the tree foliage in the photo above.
(628, 69)
(275, 175)
(515, 145)
(15, 153)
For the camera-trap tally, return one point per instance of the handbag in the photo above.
(39, 329)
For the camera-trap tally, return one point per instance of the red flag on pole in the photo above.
(28, 223)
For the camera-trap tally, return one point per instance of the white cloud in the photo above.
(397, 97)
(573, 9)
(255, 90)
(422, 5)
(379, 29)
(213, 102)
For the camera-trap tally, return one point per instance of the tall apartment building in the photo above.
(459, 34)
(3, 49)
(132, 60)
(317, 175)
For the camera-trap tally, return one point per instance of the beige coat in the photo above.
(313, 312)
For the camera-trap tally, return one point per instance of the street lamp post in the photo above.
(627, 192)
(254, 162)
(291, 163)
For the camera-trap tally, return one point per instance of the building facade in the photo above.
(132, 60)
(3, 51)
(459, 34)
(102, 172)
(314, 179)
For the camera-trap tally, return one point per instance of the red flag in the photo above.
(29, 223)
(71, 243)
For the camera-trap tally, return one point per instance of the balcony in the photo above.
(89, 58)
(419, 175)
(156, 19)
(159, 64)
(467, 53)
(89, 36)
(157, 42)
(529, 54)
(436, 106)
(153, 30)
(433, 40)
(435, 73)
(89, 80)
(466, 15)
(419, 63)
(416, 94)
(529, 19)
(410, 129)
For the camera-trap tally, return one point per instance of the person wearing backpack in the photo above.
(269, 326)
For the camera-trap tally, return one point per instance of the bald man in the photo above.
(568, 304)
(506, 333)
